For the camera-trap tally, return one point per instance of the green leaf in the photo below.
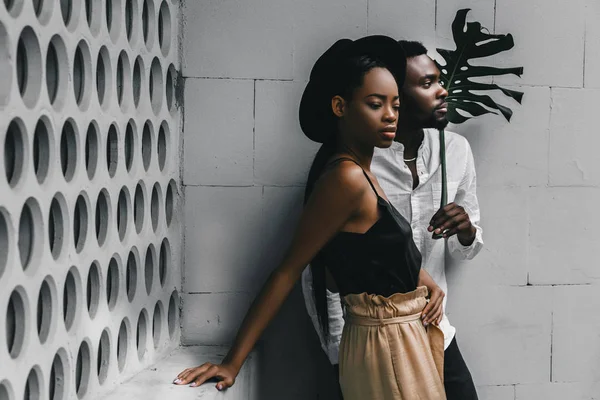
(473, 41)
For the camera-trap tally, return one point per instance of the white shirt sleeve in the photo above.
(466, 197)
(335, 314)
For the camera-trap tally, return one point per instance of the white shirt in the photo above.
(417, 206)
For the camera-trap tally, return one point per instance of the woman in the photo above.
(349, 229)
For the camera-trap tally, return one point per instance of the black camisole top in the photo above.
(382, 261)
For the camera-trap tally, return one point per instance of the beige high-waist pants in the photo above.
(386, 353)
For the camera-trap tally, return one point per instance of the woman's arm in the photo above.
(434, 310)
(336, 199)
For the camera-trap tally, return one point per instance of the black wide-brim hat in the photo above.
(316, 117)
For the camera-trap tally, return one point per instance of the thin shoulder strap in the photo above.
(337, 160)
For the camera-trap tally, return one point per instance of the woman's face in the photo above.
(371, 115)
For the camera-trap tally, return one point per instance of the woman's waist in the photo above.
(371, 309)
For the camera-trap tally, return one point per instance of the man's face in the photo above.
(424, 102)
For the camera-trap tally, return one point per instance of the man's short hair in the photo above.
(412, 48)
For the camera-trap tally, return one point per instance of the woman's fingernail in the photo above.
(177, 380)
(219, 387)
(193, 384)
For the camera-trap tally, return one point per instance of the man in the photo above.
(410, 174)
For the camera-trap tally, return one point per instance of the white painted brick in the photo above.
(318, 24)
(405, 19)
(238, 39)
(562, 240)
(496, 392)
(575, 344)
(512, 153)
(283, 152)
(551, 56)
(503, 332)
(482, 11)
(573, 138)
(218, 132)
(558, 391)
(503, 259)
(212, 318)
(223, 238)
(592, 44)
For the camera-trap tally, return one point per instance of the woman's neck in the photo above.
(360, 153)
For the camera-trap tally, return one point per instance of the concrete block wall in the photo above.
(90, 229)
(524, 308)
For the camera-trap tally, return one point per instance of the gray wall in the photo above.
(525, 308)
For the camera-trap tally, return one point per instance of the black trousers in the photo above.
(457, 378)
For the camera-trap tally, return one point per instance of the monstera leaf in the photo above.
(472, 41)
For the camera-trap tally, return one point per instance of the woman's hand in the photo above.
(434, 310)
(225, 373)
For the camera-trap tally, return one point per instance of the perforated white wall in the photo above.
(90, 237)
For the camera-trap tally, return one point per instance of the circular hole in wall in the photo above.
(71, 295)
(155, 206)
(123, 213)
(164, 261)
(139, 207)
(147, 145)
(169, 201)
(45, 308)
(14, 7)
(59, 373)
(93, 11)
(123, 80)
(14, 152)
(103, 356)
(132, 20)
(5, 239)
(16, 322)
(57, 223)
(102, 216)
(43, 144)
(112, 283)
(82, 75)
(6, 392)
(103, 77)
(157, 324)
(141, 337)
(130, 134)
(131, 274)
(113, 18)
(164, 28)
(68, 149)
(156, 88)
(80, 222)
(123, 345)
(91, 149)
(6, 66)
(170, 87)
(173, 313)
(112, 150)
(150, 261)
(161, 144)
(33, 384)
(148, 23)
(82, 369)
(30, 225)
(57, 72)
(138, 78)
(93, 289)
(29, 67)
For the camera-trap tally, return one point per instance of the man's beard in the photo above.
(436, 123)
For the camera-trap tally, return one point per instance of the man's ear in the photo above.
(338, 106)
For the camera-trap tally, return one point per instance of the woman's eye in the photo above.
(375, 106)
